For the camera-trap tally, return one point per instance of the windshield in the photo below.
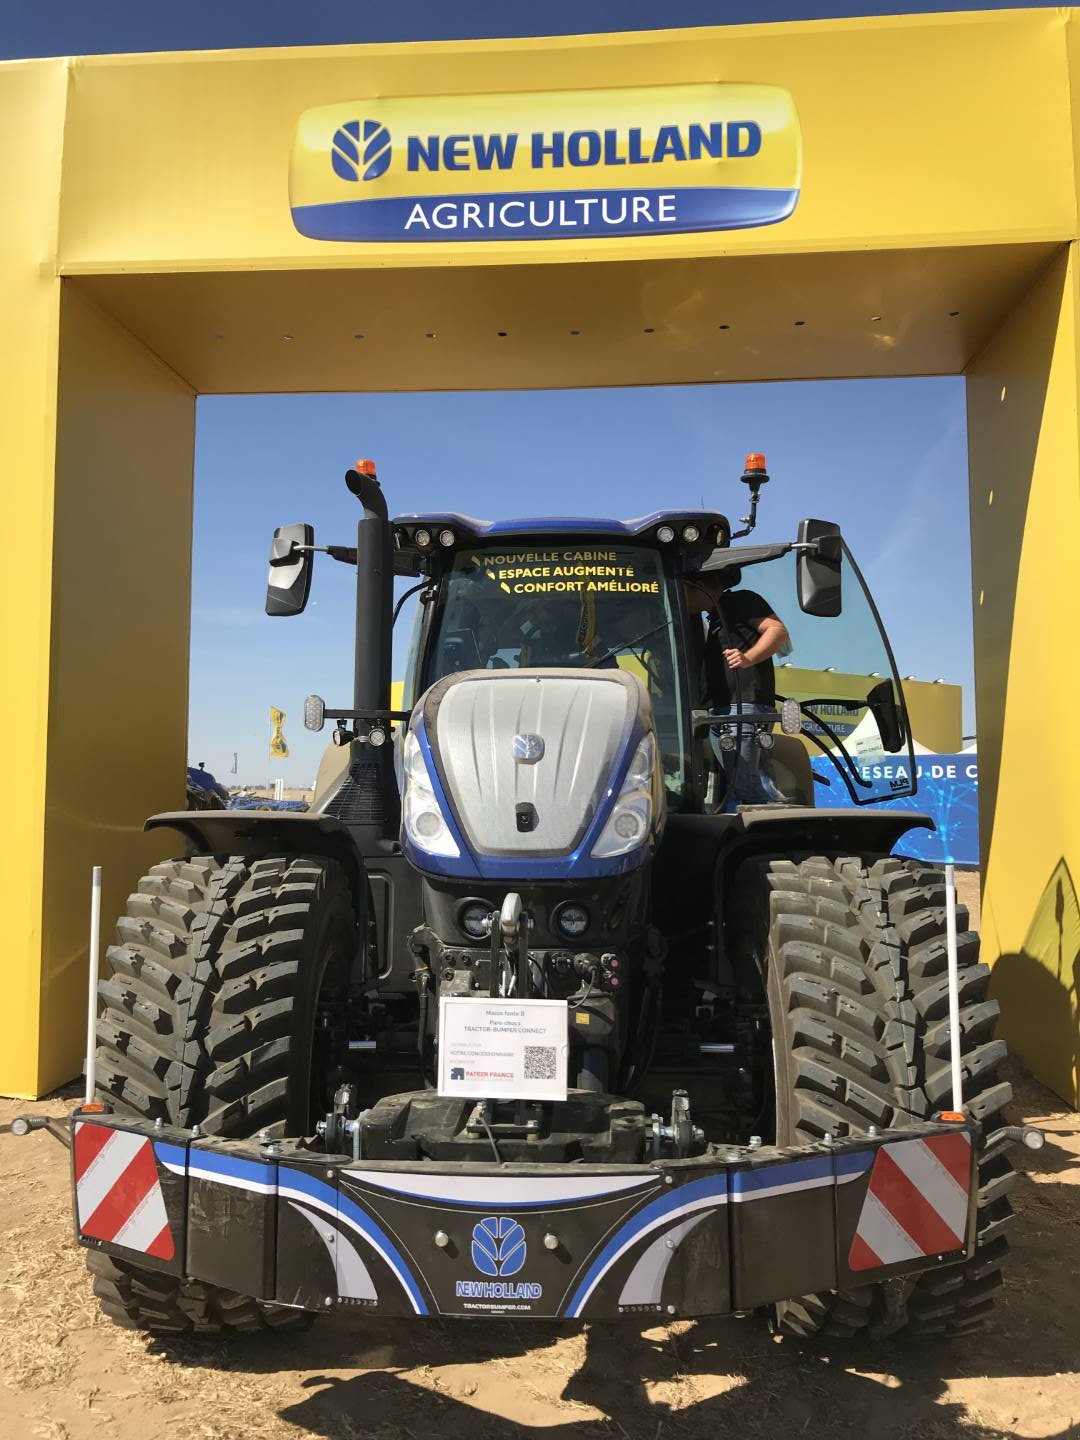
(557, 606)
(841, 673)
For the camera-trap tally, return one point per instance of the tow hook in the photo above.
(1030, 1136)
(342, 1129)
(58, 1129)
(681, 1137)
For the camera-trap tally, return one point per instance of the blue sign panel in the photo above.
(948, 791)
(72, 27)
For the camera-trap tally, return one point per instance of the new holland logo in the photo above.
(528, 749)
(498, 1246)
(547, 166)
(360, 150)
(499, 1250)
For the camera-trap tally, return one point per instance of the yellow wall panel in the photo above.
(29, 306)
(915, 128)
(1025, 509)
(117, 729)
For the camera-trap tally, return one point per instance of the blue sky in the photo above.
(885, 458)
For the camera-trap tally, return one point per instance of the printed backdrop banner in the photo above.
(948, 791)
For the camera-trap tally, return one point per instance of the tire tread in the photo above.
(858, 950)
(197, 1011)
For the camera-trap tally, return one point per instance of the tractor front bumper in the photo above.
(719, 1234)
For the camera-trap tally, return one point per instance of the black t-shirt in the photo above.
(734, 624)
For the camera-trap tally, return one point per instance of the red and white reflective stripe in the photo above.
(916, 1203)
(117, 1192)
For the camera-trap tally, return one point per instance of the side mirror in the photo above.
(817, 570)
(289, 580)
(881, 702)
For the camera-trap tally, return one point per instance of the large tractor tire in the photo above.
(208, 1016)
(854, 958)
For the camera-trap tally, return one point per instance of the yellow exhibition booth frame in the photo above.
(149, 254)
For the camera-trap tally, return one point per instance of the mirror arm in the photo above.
(345, 553)
(705, 720)
(368, 714)
(830, 700)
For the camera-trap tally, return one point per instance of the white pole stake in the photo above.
(954, 989)
(91, 1002)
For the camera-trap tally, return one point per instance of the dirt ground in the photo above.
(68, 1374)
(969, 893)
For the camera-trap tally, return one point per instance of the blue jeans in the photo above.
(752, 786)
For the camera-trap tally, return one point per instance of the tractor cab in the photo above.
(608, 595)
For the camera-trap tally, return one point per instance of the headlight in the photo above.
(631, 819)
(421, 815)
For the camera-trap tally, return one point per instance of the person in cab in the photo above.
(734, 670)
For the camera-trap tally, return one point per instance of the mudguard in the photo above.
(833, 830)
(232, 832)
(268, 832)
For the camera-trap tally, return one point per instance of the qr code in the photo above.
(540, 1062)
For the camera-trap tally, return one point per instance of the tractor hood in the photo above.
(552, 773)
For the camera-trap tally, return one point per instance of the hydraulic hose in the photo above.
(407, 596)
(422, 976)
(651, 1001)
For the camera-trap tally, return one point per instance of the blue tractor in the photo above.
(576, 994)
(203, 790)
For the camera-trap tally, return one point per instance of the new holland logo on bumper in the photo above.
(650, 161)
(498, 1249)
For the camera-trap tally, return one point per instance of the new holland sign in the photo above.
(547, 166)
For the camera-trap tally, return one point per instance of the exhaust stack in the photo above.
(373, 802)
(374, 591)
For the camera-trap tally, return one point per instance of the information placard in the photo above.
(502, 1049)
